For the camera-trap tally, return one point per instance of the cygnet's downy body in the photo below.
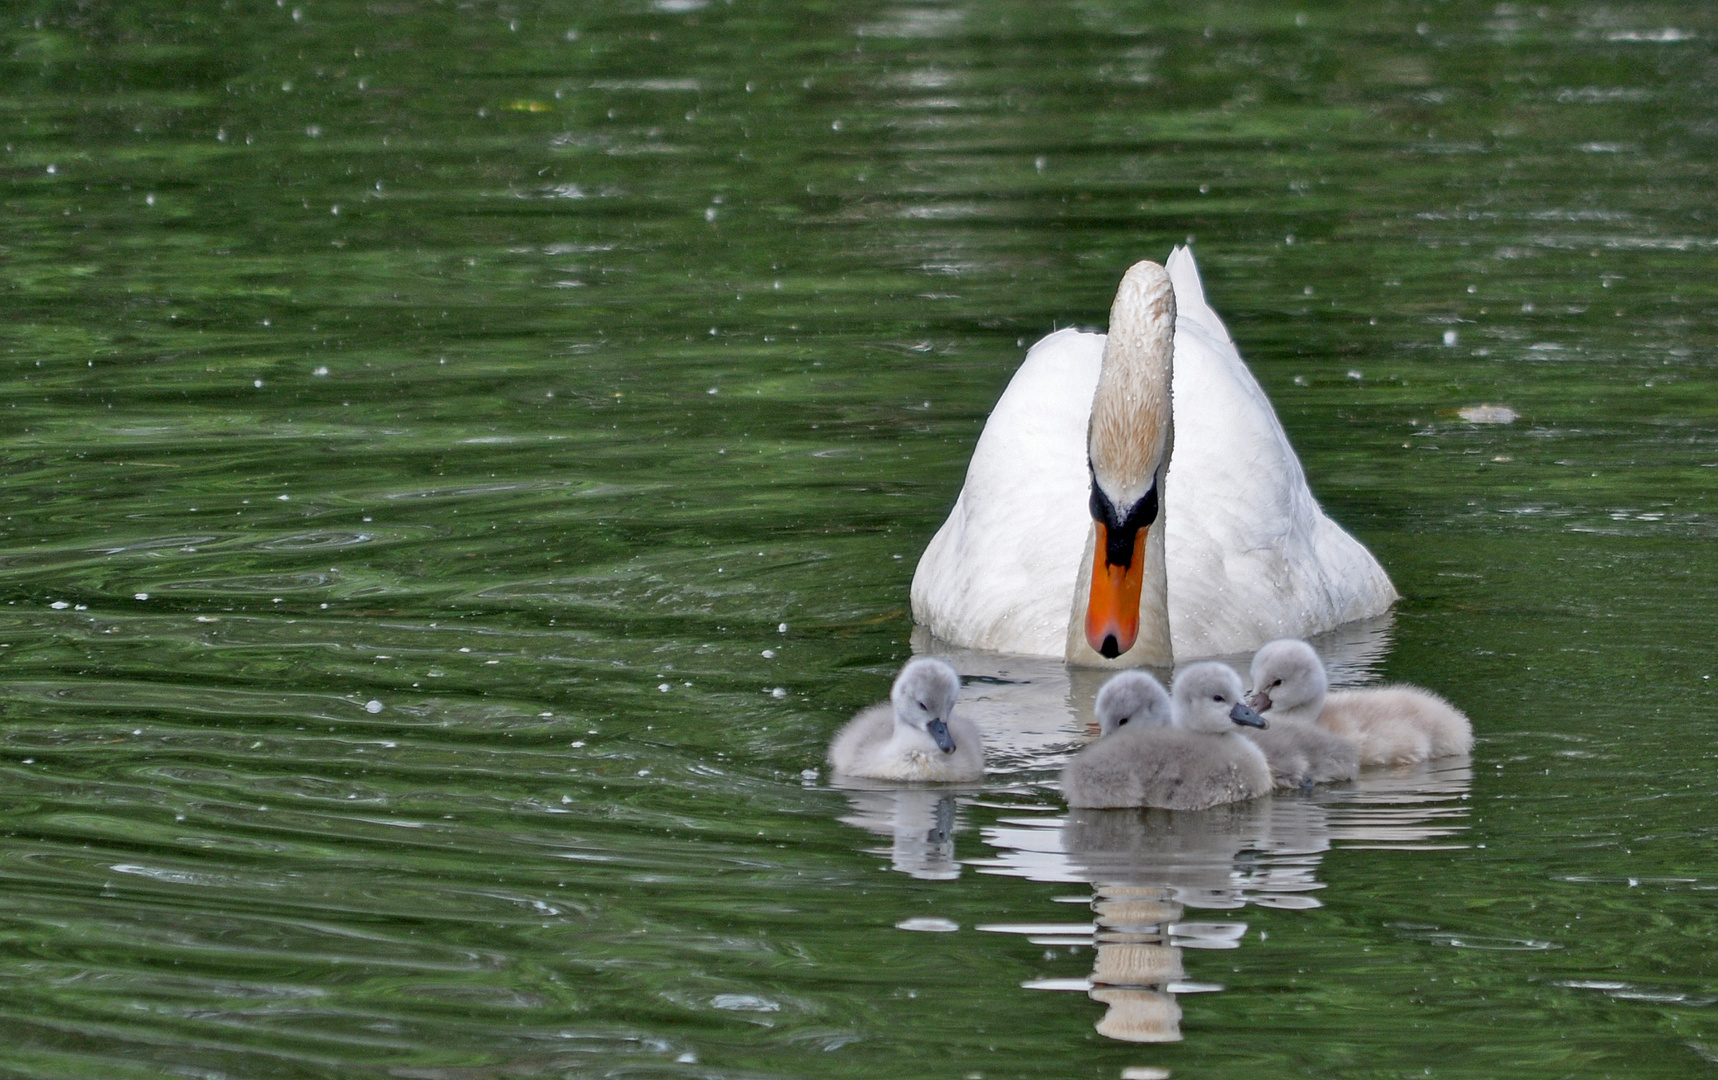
(1388, 725)
(1197, 762)
(914, 735)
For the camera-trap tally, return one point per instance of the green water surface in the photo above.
(461, 461)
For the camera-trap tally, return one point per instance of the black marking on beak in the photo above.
(939, 732)
(1122, 531)
(1242, 713)
(1111, 648)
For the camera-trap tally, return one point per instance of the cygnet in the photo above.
(1388, 725)
(1301, 754)
(1197, 762)
(913, 735)
(1133, 698)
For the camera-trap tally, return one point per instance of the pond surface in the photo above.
(463, 460)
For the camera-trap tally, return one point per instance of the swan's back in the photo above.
(1000, 572)
(1251, 555)
(1165, 767)
(1397, 725)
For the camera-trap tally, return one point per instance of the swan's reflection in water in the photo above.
(1149, 868)
(919, 822)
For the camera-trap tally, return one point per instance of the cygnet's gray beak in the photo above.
(1243, 714)
(1260, 701)
(939, 732)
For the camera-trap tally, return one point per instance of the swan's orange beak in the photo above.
(1112, 613)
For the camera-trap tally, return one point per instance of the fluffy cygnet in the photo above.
(1195, 763)
(912, 736)
(1135, 698)
(1388, 725)
(1300, 752)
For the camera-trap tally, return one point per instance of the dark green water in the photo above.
(419, 419)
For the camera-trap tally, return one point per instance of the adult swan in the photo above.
(1104, 524)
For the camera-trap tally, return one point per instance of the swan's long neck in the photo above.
(1121, 611)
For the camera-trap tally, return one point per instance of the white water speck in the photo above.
(59, 605)
(373, 706)
(140, 596)
(745, 1003)
(928, 924)
(1489, 414)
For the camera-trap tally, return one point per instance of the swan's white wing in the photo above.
(1000, 572)
(1251, 556)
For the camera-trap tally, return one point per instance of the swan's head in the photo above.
(1135, 700)
(1286, 675)
(1209, 698)
(1126, 447)
(924, 696)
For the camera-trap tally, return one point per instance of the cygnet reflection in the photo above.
(920, 824)
(1155, 874)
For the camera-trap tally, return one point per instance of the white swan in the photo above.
(1197, 763)
(1087, 430)
(912, 736)
(1388, 725)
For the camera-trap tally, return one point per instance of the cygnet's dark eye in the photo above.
(1123, 720)
(922, 707)
(1278, 682)
(1217, 697)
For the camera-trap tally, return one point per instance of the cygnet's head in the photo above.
(1133, 699)
(1209, 698)
(924, 696)
(1286, 675)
